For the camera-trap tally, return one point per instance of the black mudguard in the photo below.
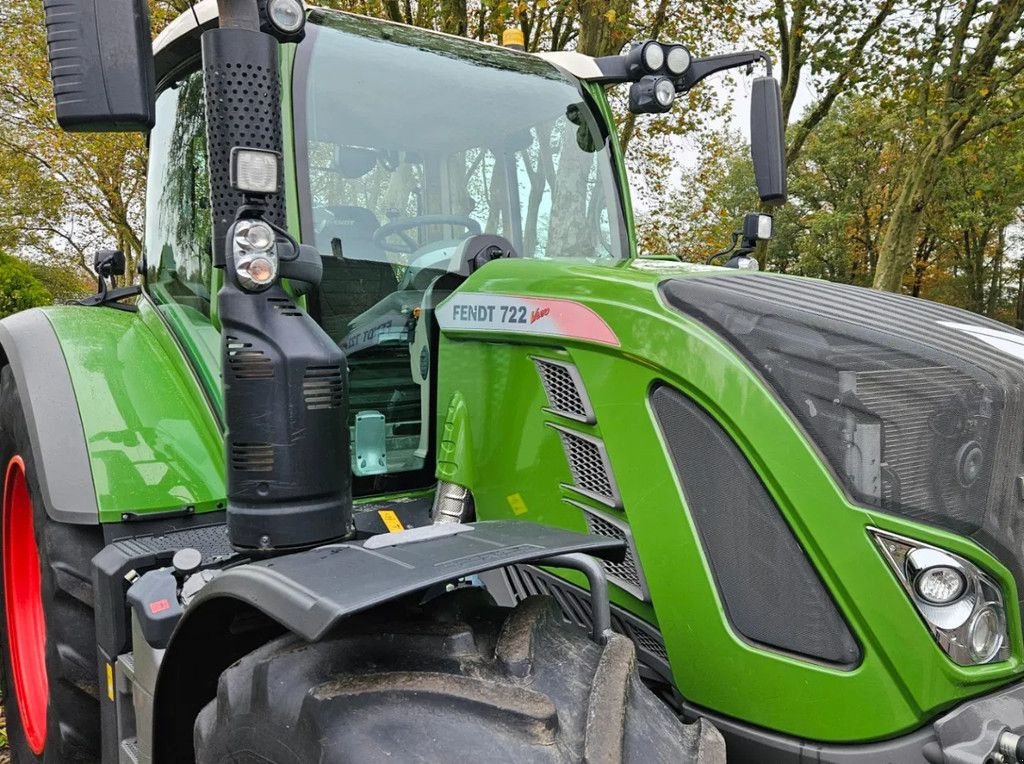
(310, 593)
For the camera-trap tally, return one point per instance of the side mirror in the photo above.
(768, 140)
(101, 64)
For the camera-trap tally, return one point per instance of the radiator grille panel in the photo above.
(566, 394)
(627, 574)
(526, 580)
(588, 463)
(771, 592)
(908, 402)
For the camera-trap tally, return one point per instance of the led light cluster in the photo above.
(654, 68)
(962, 605)
(255, 254)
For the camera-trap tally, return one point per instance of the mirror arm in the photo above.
(704, 67)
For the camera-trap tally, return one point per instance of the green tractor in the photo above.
(400, 451)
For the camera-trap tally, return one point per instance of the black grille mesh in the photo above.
(563, 390)
(526, 580)
(626, 573)
(917, 407)
(768, 587)
(589, 469)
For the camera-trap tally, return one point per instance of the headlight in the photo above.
(645, 58)
(286, 15)
(653, 56)
(665, 92)
(961, 604)
(255, 254)
(677, 60)
(651, 95)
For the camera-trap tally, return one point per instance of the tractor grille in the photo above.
(627, 574)
(588, 462)
(566, 395)
(917, 407)
(323, 387)
(907, 402)
(525, 580)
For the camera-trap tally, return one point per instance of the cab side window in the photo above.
(178, 220)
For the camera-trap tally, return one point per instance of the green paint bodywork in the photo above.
(149, 393)
(903, 679)
(152, 438)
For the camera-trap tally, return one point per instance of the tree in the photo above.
(830, 40)
(19, 289)
(957, 81)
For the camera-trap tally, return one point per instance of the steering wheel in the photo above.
(408, 245)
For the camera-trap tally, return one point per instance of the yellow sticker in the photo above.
(110, 681)
(391, 521)
(516, 502)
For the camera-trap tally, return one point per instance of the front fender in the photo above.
(118, 423)
(310, 593)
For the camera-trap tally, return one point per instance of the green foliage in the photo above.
(19, 289)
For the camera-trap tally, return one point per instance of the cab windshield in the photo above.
(408, 143)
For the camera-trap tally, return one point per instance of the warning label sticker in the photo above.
(524, 315)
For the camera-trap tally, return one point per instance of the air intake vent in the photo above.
(323, 387)
(284, 307)
(246, 362)
(525, 580)
(771, 592)
(566, 395)
(627, 574)
(252, 457)
(588, 462)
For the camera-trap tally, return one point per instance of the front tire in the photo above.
(457, 680)
(47, 627)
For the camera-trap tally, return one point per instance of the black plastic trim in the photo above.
(31, 348)
(310, 593)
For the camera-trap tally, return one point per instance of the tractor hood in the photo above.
(917, 407)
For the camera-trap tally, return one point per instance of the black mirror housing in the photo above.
(101, 64)
(768, 140)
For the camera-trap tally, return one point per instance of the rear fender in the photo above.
(117, 422)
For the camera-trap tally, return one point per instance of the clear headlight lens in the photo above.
(940, 585)
(985, 634)
(654, 56)
(255, 254)
(960, 603)
(287, 15)
(677, 60)
(665, 92)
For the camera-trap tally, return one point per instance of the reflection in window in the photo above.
(178, 221)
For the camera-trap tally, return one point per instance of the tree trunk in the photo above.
(896, 252)
(604, 26)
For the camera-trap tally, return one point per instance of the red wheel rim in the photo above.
(23, 600)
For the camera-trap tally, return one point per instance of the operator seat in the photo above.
(357, 280)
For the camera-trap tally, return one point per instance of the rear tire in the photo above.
(69, 729)
(459, 679)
